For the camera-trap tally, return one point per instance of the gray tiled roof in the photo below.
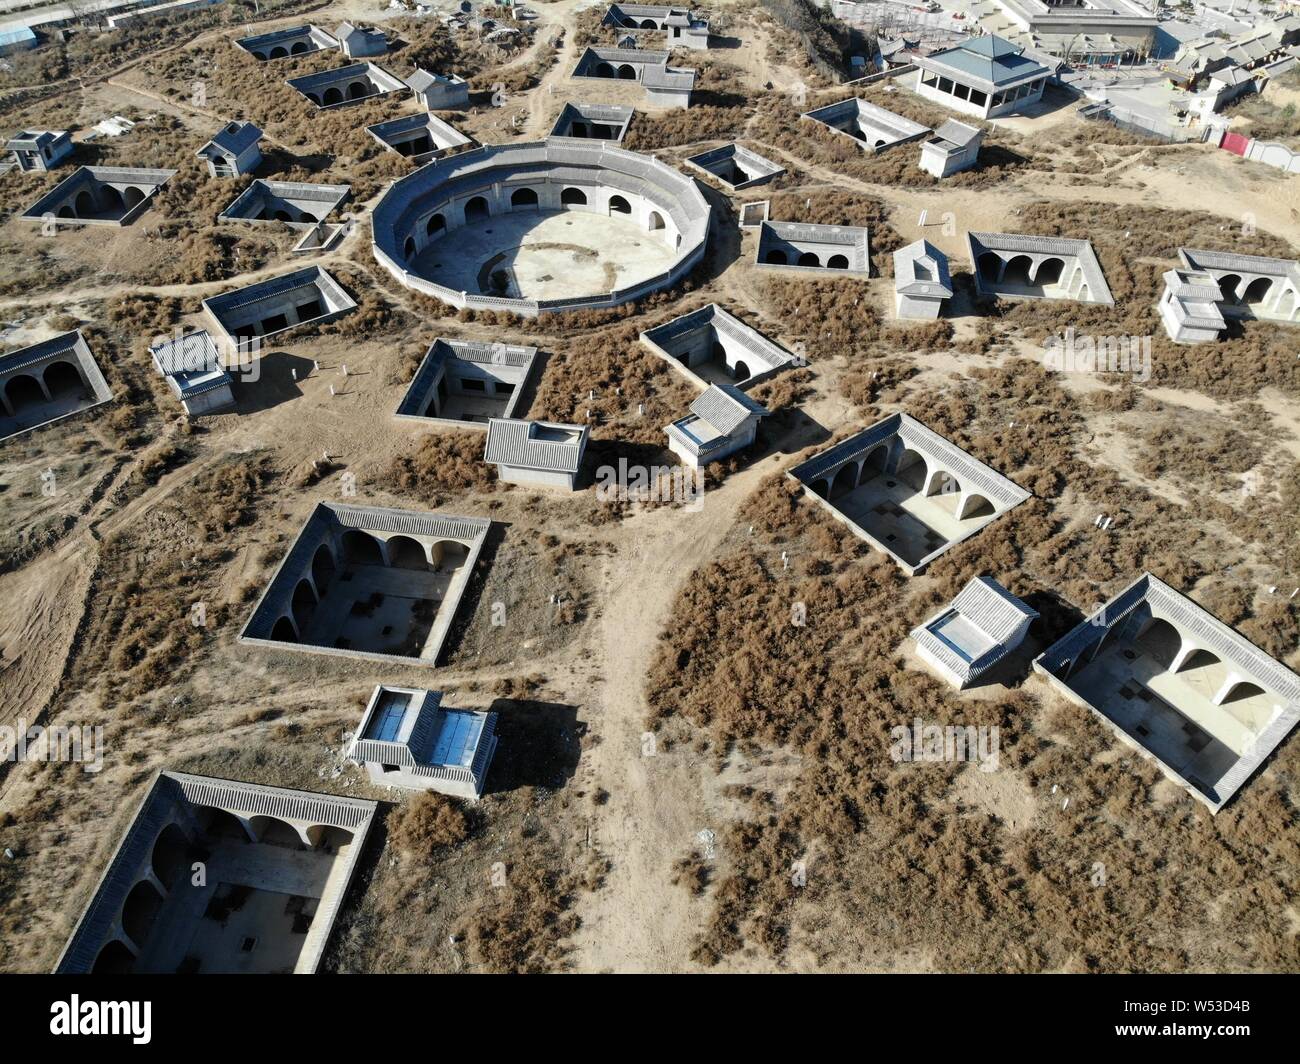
(512, 442)
(906, 279)
(234, 137)
(992, 609)
(726, 407)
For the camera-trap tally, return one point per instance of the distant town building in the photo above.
(982, 76)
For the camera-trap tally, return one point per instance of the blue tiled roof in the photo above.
(990, 58)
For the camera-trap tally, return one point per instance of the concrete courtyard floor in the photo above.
(551, 255)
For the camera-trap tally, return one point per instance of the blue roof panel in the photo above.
(457, 738)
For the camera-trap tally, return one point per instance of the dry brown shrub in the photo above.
(443, 463)
(428, 822)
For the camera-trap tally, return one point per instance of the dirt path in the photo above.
(658, 804)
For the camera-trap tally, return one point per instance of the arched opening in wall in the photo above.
(820, 488)
(327, 838)
(912, 469)
(837, 262)
(775, 257)
(740, 371)
(23, 391)
(1257, 291)
(523, 197)
(408, 248)
(627, 72)
(655, 221)
(66, 212)
(261, 56)
(140, 911)
(113, 959)
(361, 548)
(406, 553)
(322, 568)
(879, 143)
(1250, 705)
(84, 204)
(1228, 284)
(618, 205)
(449, 555)
(942, 482)
(573, 197)
(648, 24)
(846, 479)
(115, 202)
(314, 98)
(1049, 272)
(218, 824)
(309, 216)
(333, 95)
(604, 70)
(436, 224)
(272, 831)
(807, 258)
(279, 53)
(303, 605)
(281, 216)
(1241, 691)
(989, 264)
(299, 48)
(1017, 271)
(975, 506)
(283, 631)
(359, 89)
(577, 129)
(874, 464)
(1159, 640)
(63, 380)
(1204, 672)
(1085, 293)
(171, 855)
(1286, 304)
(476, 210)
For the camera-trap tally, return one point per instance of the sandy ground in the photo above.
(657, 805)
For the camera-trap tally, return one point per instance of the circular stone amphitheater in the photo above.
(545, 226)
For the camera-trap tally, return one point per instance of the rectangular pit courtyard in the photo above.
(47, 382)
(99, 195)
(593, 121)
(711, 346)
(419, 137)
(291, 202)
(873, 127)
(736, 167)
(1179, 685)
(369, 582)
(466, 384)
(814, 249)
(907, 491)
(305, 297)
(278, 864)
(347, 85)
